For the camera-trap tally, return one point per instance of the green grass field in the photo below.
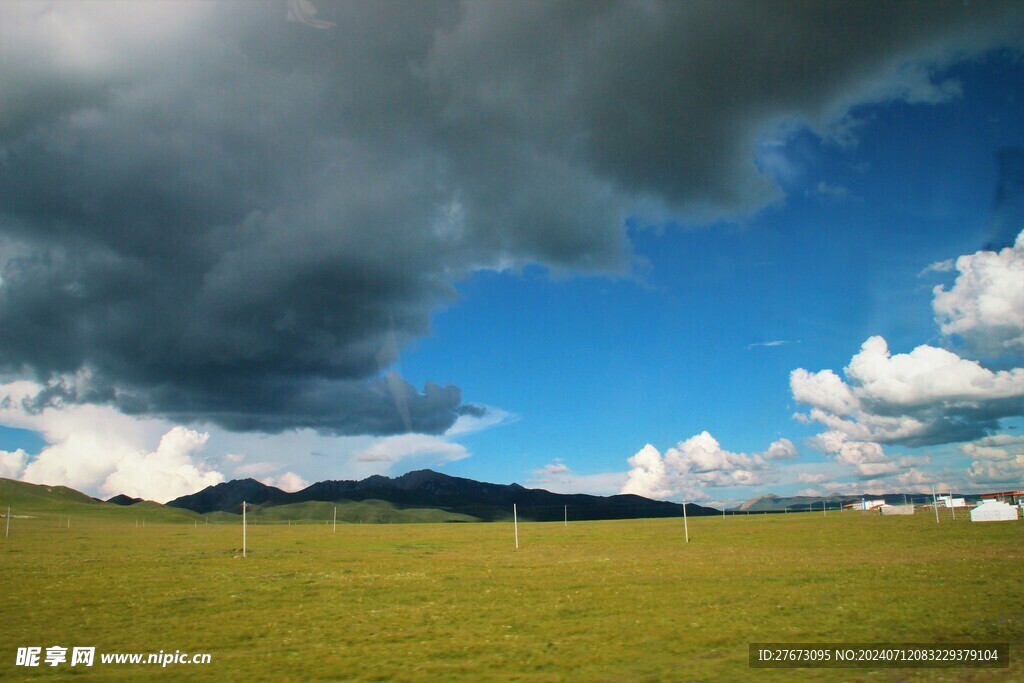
(593, 601)
(350, 511)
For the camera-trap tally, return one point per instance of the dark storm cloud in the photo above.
(209, 212)
(1008, 205)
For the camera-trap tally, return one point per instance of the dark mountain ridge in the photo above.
(123, 499)
(229, 496)
(426, 488)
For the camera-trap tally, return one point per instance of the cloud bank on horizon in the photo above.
(933, 395)
(930, 396)
(214, 218)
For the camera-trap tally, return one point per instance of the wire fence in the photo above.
(374, 511)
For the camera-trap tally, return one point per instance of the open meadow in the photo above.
(591, 601)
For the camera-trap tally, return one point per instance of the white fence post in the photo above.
(515, 523)
(686, 528)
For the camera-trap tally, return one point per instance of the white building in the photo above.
(994, 511)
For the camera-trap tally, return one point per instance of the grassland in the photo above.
(353, 512)
(591, 601)
(60, 505)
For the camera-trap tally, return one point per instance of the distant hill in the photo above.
(39, 497)
(228, 497)
(773, 503)
(40, 500)
(761, 503)
(122, 499)
(429, 489)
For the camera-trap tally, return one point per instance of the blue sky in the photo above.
(594, 367)
(581, 289)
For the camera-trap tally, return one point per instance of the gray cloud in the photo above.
(1008, 204)
(210, 212)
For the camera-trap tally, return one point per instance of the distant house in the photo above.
(865, 504)
(951, 502)
(1011, 497)
(994, 511)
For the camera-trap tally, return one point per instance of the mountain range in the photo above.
(430, 489)
(421, 496)
(427, 489)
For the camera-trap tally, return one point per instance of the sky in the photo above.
(701, 251)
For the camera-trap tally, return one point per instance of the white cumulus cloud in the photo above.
(985, 306)
(866, 458)
(648, 475)
(167, 473)
(287, 481)
(825, 390)
(100, 451)
(927, 396)
(83, 456)
(930, 395)
(12, 463)
(699, 462)
(926, 376)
